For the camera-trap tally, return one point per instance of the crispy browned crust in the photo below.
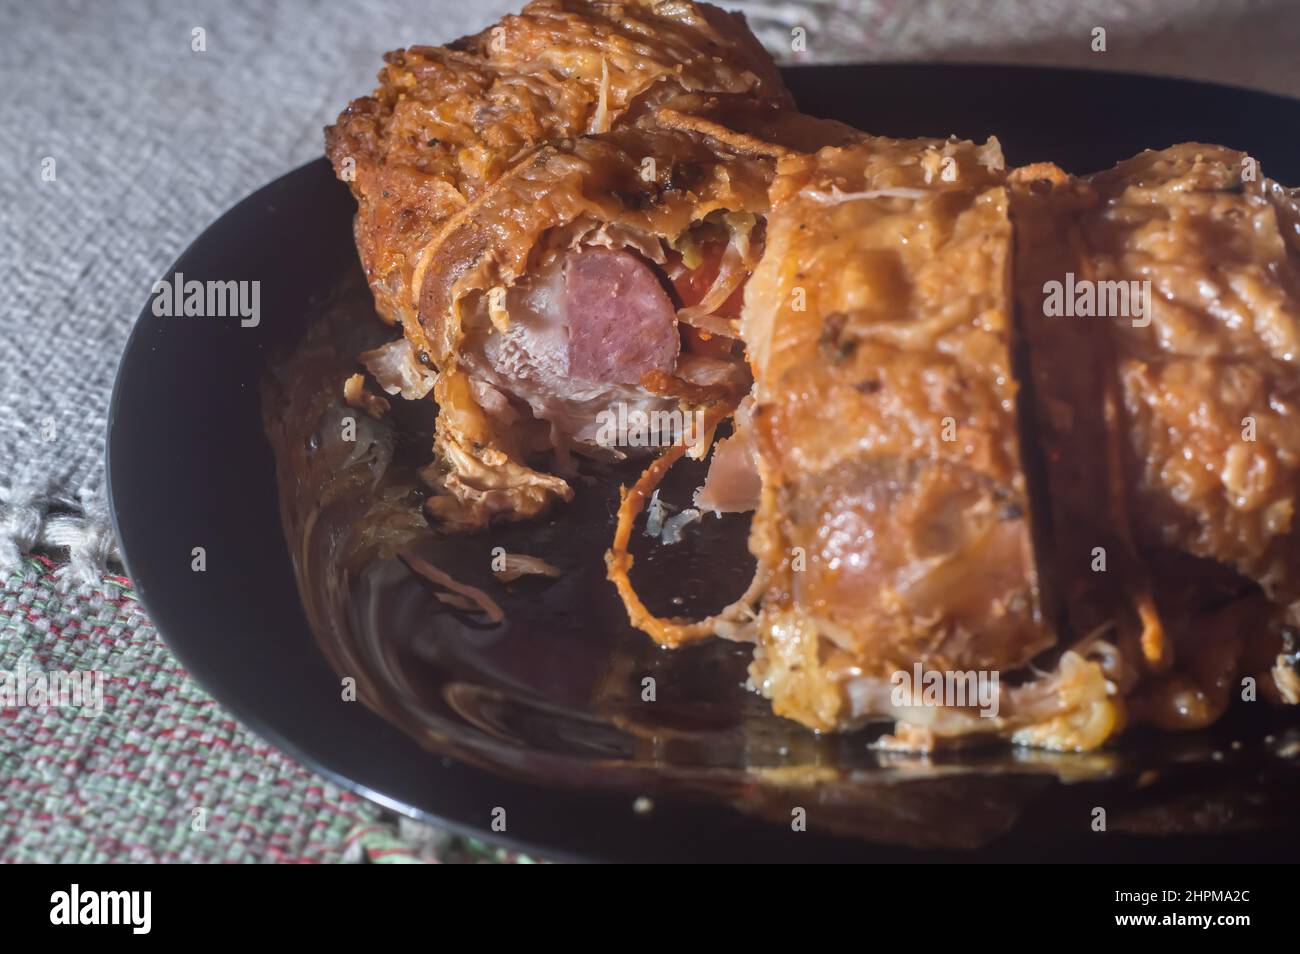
(468, 157)
(1211, 387)
(446, 123)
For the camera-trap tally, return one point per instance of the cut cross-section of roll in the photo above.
(560, 212)
(895, 523)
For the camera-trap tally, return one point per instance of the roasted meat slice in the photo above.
(548, 302)
(895, 523)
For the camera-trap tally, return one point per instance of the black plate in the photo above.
(537, 719)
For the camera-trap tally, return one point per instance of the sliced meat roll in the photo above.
(894, 525)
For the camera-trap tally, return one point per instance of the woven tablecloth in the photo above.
(149, 140)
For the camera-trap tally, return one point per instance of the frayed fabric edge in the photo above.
(33, 522)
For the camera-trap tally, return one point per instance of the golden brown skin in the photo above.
(1141, 421)
(447, 122)
(895, 512)
(471, 161)
(1211, 387)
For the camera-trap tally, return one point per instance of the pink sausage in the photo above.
(620, 319)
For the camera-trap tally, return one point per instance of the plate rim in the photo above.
(322, 763)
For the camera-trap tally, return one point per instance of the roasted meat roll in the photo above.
(962, 460)
(560, 212)
(957, 474)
